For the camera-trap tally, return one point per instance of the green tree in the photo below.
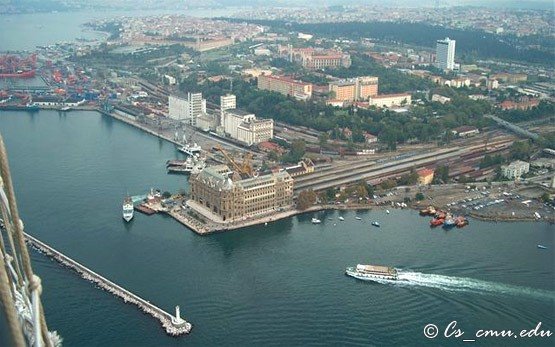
(419, 196)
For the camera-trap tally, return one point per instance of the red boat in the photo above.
(19, 74)
(436, 222)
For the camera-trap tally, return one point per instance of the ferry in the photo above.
(316, 221)
(191, 149)
(192, 165)
(127, 208)
(372, 272)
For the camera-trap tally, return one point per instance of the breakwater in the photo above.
(173, 325)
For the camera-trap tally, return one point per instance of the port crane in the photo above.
(244, 168)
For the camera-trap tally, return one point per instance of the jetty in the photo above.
(173, 325)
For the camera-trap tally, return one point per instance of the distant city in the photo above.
(277, 112)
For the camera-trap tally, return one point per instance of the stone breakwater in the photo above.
(172, 326)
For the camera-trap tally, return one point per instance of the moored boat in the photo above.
(315, 221)
(191, 149)
(376, 224)
(436, 222)
(372, 272)
(358, 218)
(341, 218)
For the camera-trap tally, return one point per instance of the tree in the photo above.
(441, 175)
(330, 194)
(296, 153)
(166, 195)
(323, 139)
(520, 150)
(306, 199)
(419, 196)
(545, 197)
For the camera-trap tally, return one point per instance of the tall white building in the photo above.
(227, 102)
(445, 54)
(187, 109)
(245, 127)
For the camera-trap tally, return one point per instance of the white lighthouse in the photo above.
(177, 320)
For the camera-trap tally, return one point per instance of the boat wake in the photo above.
(465, 284)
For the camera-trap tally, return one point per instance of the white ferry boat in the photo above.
(127, 209)
(372, 272)
(191, 149)
(192, 165)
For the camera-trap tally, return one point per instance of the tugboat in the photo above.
(315, 221)
(372, 272)
(436, 222)
(449, 222)
(127, 208)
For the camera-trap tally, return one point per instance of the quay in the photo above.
(174, 325)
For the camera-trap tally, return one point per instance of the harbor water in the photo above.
(277, 285)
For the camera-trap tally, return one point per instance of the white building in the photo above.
(244, 126)
(445, 54)
(187, 109)
(515, 169)
(390, 100)
(440, 98)
(228, 101)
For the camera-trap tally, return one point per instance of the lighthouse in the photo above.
(177, 320)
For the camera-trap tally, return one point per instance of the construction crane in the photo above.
(244, 168)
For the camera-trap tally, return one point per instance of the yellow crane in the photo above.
(244, 168)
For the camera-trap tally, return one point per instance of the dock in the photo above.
(173, 325)
(144, 209)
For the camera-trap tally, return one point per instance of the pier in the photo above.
(174, 325)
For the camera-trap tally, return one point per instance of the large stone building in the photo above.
(286, 86)
(217, 192)
(187, 108)
(245, 127)
(354, 89)
(315, 58)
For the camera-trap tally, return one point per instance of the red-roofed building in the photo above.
(425, 176)
(286, 86)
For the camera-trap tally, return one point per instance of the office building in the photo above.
(445, 54)
(188, 108)
(245, 127)
(354, 89)
(286, 86)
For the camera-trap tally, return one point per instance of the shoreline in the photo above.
(202, 229)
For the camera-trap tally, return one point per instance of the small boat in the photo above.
(341, 218)
(127, 208)
(65, 109)
(376, 224)
(387, 211)
(316, 221)
(537, 215)
(266, 224)
(372, 272)
(330, 218)
(449, 222)
(436, 222)
(542, 247)
(358, 218)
